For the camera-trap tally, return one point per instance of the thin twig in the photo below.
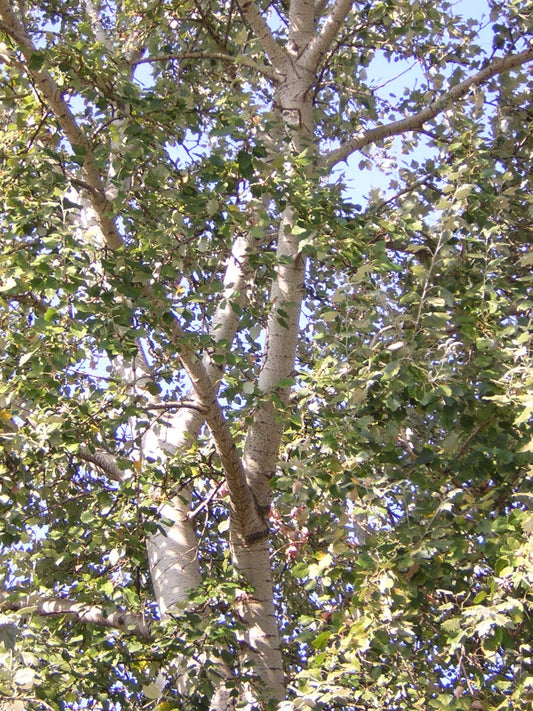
(219, 56)
(472, 436)
(214, 491)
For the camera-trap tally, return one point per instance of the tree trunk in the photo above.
(261, 642)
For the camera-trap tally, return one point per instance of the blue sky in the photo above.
(398, 76)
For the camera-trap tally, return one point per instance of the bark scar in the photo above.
(256, 537)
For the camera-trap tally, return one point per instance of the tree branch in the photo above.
(205, 503)
(320, 7)
(104, 461)
(275, 51)
(186, 423)
(177, 405)
(127, 622)
(261, 449)
(376, 209)
(194, 410)
(462, 449)
(219, 56)
(54, 98)
(94, 18)
(313, 53)
(243, 507)
(31, 299)
(417, 121)
(244, 511)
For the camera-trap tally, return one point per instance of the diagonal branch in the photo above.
(244, 510)
(185, 425)
(417, 121)
(172, 554)
(316, 50)
(55, 100)
(104, 461)
(128, 622)
(257, 22)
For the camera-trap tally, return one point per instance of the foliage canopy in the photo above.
(180, 247)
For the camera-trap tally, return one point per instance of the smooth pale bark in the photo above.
(54, 97)
(261, 642)
(416, 122)
(125, 622)
(172, 554)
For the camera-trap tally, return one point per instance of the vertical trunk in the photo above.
(261, 641)
(261, 652)
(172, 554)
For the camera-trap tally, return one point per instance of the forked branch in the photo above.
(242, 501)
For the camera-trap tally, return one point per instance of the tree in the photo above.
(263, 446)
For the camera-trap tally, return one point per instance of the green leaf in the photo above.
(36, 61)
(8, 634)
(87, 517)
(321, 641)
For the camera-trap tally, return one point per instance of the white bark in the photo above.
(262, 442)
(260, 640)
(126, 622)
(172, 554)
(257, 22)
(264, 437)
(316, 49)
(54, 97)
(261, 644)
